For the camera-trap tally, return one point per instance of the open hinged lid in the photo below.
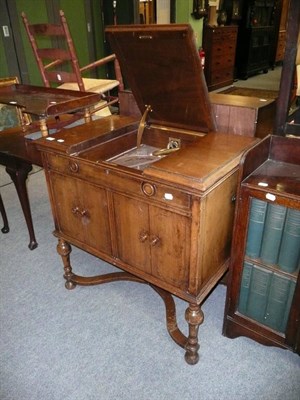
(162, 67)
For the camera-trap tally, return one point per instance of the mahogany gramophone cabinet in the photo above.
(153, 197)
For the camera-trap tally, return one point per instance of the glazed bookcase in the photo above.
(263, 293)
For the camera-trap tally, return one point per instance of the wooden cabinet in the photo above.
(256, 35)
(160, 227)
(264, 287)
(153, 197)
(243, 115)
(219, 44)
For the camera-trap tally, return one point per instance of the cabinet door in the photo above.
(132, 232)
(271, 263)
(81, 211)
(170, 246)
(153, 240)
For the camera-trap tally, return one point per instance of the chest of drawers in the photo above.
(219, 44)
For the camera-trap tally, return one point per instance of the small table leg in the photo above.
(19, 176)
(5, 228)
(43, 127)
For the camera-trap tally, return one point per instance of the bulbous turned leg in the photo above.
(194, 317)
(64, 250)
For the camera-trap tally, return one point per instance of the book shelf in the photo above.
(263, 294)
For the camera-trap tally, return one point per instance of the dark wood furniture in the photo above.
(154, 198)
(44, 103)
(15, 153)
(256, 33)
(5, 228)
(219, 44)
(244, 115)
(239, 115)
(269, 172)
(18, 160)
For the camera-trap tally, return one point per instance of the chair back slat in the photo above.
(62, 77)
(46, 30)
(54, 54)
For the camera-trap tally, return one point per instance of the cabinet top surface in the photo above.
(162, 66)
(276, 176)
(197, 165)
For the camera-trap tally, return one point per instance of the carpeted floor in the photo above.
(110, 342)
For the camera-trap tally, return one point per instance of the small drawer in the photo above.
(222, 75)
(119, 181)
(165, 195)
(222, 62)
(70, 166)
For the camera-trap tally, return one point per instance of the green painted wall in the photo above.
(36, 12)
(3, 64)
(75, 14)
(183, 15)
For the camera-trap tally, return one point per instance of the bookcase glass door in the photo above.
(271, 264)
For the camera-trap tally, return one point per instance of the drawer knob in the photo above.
(154, 240)
(148, 189)
(73, 166)
(143, 236)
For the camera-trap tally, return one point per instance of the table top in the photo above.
(44, 102)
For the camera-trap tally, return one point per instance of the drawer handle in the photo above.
(143, 236)
(148, 189)
(73, 166)
(154, 240)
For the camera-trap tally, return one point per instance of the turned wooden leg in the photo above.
(5, 228)
(64, 250)
(194, 317)
(19, 176)
(87, 115)
(43, 127)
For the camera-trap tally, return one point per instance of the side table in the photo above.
(15, 153)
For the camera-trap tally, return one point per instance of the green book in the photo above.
(277, 301)
(258, 293)
(272, 235)
(288, 306)
(290, 245)
(256, 226)
(244, 288)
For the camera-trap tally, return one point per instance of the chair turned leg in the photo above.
(5, 228)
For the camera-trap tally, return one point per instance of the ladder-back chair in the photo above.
(59, 66)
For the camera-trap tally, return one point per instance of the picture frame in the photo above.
(11, 116)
